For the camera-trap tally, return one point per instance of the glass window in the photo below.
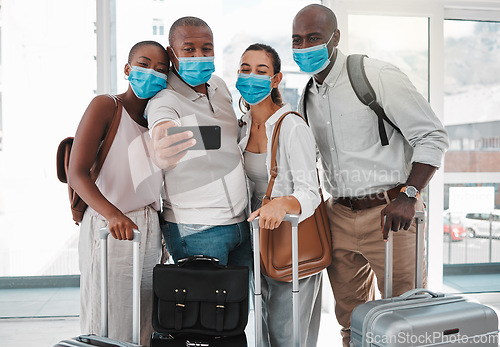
(158, 27)
(1, 127)
(402, 41)
(1, 131)
(43, 100)
(472, 164)
(270, 23)
(58, 80)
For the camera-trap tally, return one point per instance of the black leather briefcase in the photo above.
(200, 296)
(167, 340)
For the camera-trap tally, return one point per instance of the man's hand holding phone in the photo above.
(168, 150)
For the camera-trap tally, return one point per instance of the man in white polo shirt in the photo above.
(205, 191)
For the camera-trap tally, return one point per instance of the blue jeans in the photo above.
(228, 243)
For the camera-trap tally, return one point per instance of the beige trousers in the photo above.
(119, 276)
(359, 256)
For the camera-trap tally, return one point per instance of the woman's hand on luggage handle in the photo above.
(121, 227)
(270, 217)
(271, 214)
(166, 154)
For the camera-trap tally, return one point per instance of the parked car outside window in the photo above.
(453, 231)
(477, 224)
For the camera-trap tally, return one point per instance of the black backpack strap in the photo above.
(366, 94)
(304, 103)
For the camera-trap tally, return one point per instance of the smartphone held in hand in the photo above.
(208, 137)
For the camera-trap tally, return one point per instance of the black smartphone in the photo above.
(207, 136)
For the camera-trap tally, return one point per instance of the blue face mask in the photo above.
(146, 83)
(313, 59)
(254, 88)
(195, 70)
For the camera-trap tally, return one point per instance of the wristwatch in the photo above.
(410, 191)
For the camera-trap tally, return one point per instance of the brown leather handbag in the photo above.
(315, 239)
(78, 206)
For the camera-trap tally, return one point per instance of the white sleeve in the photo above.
(301, 157)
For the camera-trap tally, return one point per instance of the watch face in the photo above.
(411, 191)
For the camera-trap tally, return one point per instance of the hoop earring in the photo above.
(245, 105)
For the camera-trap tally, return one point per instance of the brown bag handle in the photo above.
(108, 140)
(274, 150)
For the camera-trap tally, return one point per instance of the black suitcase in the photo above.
(103, 340)
(167, 340)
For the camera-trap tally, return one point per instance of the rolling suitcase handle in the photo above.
(294, 220)
(419, 255)
(136, 309)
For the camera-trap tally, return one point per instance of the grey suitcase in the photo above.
(103, 340)
(421, 317)
(294, 220)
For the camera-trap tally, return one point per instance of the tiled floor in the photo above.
(37, 332)
(38, 317)
(39, 302)
(49, 315)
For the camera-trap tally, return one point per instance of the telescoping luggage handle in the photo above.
(136, 280)
(419, 256)
(294, 220)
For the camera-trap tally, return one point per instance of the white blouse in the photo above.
(296, 159)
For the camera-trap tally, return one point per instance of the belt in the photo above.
(369, 201)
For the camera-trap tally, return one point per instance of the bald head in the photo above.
(186, 22)
(319, 14)
(316, 25)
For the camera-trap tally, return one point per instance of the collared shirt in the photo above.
(296, 159)
(206, 187)
(354, 161)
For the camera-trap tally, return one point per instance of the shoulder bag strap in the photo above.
(108, 139)
(274, 151)
(274, 165)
